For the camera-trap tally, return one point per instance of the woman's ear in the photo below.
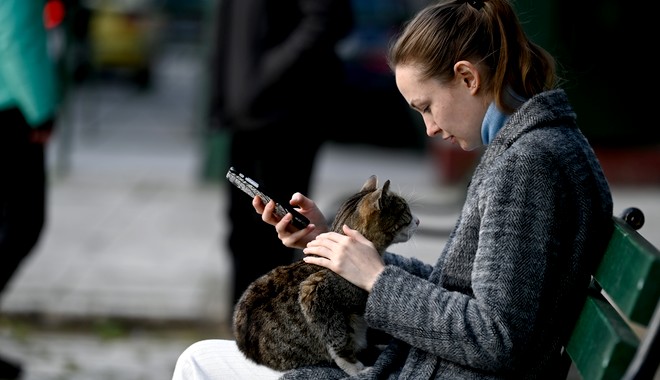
(468, 75)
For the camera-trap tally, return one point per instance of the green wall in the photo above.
(604, 50)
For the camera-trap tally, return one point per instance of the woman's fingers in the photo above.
(324, 245)
(258, 204)
(266, 211)
(286, 232)
(282, 225)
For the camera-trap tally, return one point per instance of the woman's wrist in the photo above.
(369, 285)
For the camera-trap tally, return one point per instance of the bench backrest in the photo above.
(616, 335)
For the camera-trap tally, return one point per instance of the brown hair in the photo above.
(490, 33)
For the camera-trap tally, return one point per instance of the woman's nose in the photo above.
(431, 128)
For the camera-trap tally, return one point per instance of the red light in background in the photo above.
(53, 13)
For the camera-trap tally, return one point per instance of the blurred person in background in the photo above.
(28, 105)
(275, 76)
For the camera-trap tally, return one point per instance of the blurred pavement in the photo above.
(132, 268)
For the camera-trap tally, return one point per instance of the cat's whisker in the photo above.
(417, 197)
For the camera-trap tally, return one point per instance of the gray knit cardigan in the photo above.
(504, 292)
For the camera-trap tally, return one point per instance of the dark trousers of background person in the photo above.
(22, 193)
(271, 157)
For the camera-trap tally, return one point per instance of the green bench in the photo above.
(616, 334)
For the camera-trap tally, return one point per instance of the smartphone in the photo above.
(252, 188)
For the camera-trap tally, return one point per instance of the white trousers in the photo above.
(218, 359)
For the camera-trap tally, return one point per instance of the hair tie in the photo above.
(476, 4)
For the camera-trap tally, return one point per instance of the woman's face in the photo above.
(453, 110)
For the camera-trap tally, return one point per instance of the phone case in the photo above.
(252, 188)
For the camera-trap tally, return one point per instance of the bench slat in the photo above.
(602, 344)
(625, 292)
(630, 272)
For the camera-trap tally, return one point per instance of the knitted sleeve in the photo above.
(409, 264)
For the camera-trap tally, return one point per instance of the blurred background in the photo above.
(130, 269)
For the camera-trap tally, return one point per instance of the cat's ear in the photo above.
(374, 199)
(377, 196)
(371, 184)
(386, 186)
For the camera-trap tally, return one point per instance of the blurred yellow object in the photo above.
(118, 40)
(123, 37)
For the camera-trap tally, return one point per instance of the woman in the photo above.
(504, 293)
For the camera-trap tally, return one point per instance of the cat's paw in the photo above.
(348, 367)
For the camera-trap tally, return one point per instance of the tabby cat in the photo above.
(303, 314)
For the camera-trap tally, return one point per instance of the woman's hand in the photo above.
(351, 256)
(289, 235)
